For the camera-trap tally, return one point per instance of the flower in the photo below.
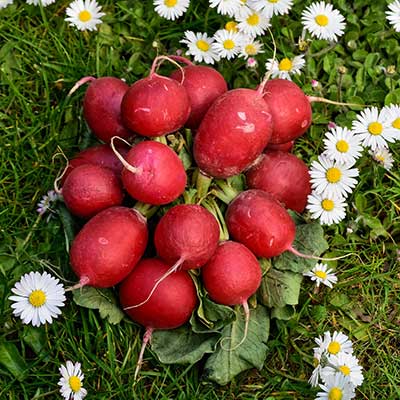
(44, 204)
(227, 44)
(71, 381)
(45, 3)
(171, 9)
(336, 387)
(331, 125)
(226, 7)
(231, 26)
(321, 274)
(285, 67)
(383, 156)
(200, 46)
(373, 128)
(251, 63)
(334, 344)
(251, 22)
(250, 47)
(84, 14)
(346, 365)
(391, 114)
(314, 84)
(329, 209)
(323, 21)
(271, 7)
(314, 379)
(393, 15)
(37, 298)
(332, 179)
(5, 3)
(342, 145)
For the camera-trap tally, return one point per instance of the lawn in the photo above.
(42, 57)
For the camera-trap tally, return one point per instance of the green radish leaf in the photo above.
(68, 223)
(12, 360)
(35, 338)
(182, 345)
(283, 313)
(224, 364)
(99, 299)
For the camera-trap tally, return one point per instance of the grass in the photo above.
(40, 60)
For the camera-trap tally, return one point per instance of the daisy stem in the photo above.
(128, 166)
(146, 339)
(315, 99)
(81, 82)
(157, 62)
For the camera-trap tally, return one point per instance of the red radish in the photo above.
(284, 176)
(233, 133)
(156, 105)
(170, 306)
(108, 247)
(288, 147)
(153, 173)
(90, 188)
(203, 85)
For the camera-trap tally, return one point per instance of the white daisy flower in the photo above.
(37, 298)
(45, 3)
(251, 22)
(393, 15)
(336, 387)
(328, 209)
(319, 360)
(232, 26)
(373, 128)
(391, 114)
(84, 15)
(336, 343)
(321, 274)
(271, 7)
(286, 67)
(171, 9)
(342, 145)
(200, 46)
(250, 48)
(45, 203)
(323, 21)
(5, 3)
(226, 7)
(383, 156)
(332, 179)
(71, 381)
(346, 365)
(227, 44)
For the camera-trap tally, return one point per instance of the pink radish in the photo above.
(288, 147)
(233, 133)
(108, 247)
(170, 306)
(284, 176)
(90, 188)
(156, 105)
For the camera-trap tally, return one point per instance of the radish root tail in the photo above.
(81, 82)
(128, 166)
(181, 59)
(314, 99)
(158, 61)
(146, 339)
(59, 178)
(311, 257)
(260, 89)
(82, 282)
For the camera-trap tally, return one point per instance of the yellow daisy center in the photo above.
(231, 26)
(243, 1)
(229, 44)
(285, 65)
(253, 19)
(85, 16)
(315, 362)
(375, 128)
(202, 45)
(273, 1)
(342, 146)
(37, 298)
(75, 383)
(321, 274)
(250, 49)
(333, 175)
(380, 158)
(170, 3)
(396, 123)
(345, 370)
(327, 204)
(335, 394)
(334, 347)
(322, 20)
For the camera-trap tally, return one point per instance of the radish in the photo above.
(170, 306)
(233, 133)
(156, 105)
(203, 85)
(284, 176)
(153, 173)
(90, 188)
(288, 147)
(108, 247)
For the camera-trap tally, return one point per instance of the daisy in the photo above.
(226, 7)
(200, 46)
(286, 67)
(323, 21)
(227, 44)
(321, 274)
(271, 7)
(251, 22)
(84, 14)
(336, 343)
(71, 381)
(393, 15)
(44, 204)
(232, 26)
(5, 3)
(250, 48)
(332, 179)
(251, 63)
(37, 298)
(391, 114)
(315, 84)
(319, 360)
(342, 145)
(346, 365)
(44, 3)
(373, 128)
(336, 387)
(328, 209)
(383, 156)
(171, 9)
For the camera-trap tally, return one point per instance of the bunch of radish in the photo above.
(238, 131)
